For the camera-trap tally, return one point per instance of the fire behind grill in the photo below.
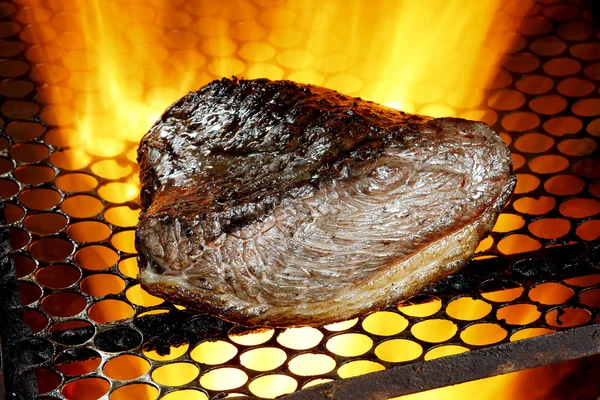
(71, 219)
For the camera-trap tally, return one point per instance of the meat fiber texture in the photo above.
(272, 203)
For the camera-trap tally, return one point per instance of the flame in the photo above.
(125, 61)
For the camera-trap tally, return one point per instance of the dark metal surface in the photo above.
(16, 377)
(497, 360)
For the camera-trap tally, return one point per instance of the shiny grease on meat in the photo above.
(278, 204)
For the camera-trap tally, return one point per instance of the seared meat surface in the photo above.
(278, 204)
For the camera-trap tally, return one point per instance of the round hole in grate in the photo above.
(341, 326)
(110, 310)
(420, 306)
(518, 243)
(18, 238)
(588, 51)
(593, 128)
(534, 143)
(88, 231)
(549, 228)
(548, 164)
(586, 107)
(225, 378)
(592, 71)
(4, 143)
(564, 185)
(500, 290)
(575, 87)
(126, 367)
(580, 208)
(129, 267)
(34, 174)
(39, 198)
(185, 394)
(69, 159)
(138, 296)
(58, 276)
(482, 334)
(10, 48)
(300, 338)
(35, 320)
(590, 297)
(468, 309)
(124, 241)
(535, 206)
(584, 281)
(589, 230)
(12, 68)
(588, 168)
(175, 374)
(8, 188)
(23, 265)
(100, 285)
(215, 352)
(6, 165)
(63, 304)
(563, 125)
(76, 182)
(13, 213)
(518, 314)
(261, 359)
(272, 386)
(73, 362)
(398, 350)
(72, 332)
(315, 382)
(547, 46)
(534, 84)
(24, 130)
(62, 138)
(18, 109)
(520, 121)
(311, 364)
(118, 339)
(45, 223)
(508, 222)
(118, 192)
(506, 100)
(577, 147)
(384, 323)
(444, 351)
(521, 63)
(434, 330)
(550, 293)
(29, 292)
(57, 115)
(138, 391)
(358, 367)
(561, 66)
(533, 268)
(349, 344)
(566, 317)
(96, 257)
(155, 349)
(51, 249)
(122, 216)
(48, 73)
(82, 206)
(111, 169)
(529, 333)
(47, 380)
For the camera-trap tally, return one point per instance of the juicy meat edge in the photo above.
(436, 260)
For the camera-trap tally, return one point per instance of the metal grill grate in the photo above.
(72, 216)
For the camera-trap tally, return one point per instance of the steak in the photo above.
(271, 203)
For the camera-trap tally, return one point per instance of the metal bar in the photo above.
(496, 360)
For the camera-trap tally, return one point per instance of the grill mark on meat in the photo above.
(274, 203)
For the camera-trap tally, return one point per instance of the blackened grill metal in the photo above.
(563, 260)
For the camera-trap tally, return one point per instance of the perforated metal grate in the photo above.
(72, 211)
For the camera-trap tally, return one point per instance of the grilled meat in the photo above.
(273, 203)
